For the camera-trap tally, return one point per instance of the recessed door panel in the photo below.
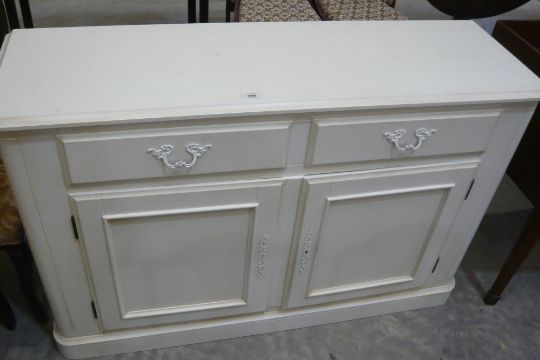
(192, 249)
(392, 226)
(369, 233)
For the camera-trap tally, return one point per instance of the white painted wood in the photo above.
(132, 73)
(279, 253)
(346, 139)
(153, 338)
(365, 234)
(300, 214)
(47, 267)
(178, 254)
(503, 143)
(123, 155)
(44, 173)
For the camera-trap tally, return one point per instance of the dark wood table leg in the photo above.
(192, 11)
(11, 12)
(7, 313)
(22, 260)
(26, 14)
(229, 7)
(203, 11)
(521, 249)
(474, 9)
(4, 24)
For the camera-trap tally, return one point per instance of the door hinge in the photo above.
(94, 311)
(470, 188)
(74, 227)
(436, 264)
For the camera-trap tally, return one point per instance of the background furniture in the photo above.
(522, 38)
(306, 185)
(304, 10)
(13, 18)
(12, 241)
(4, 25)
(192, 11)
(229, 8)
(275, 11)
(474, 9)
(6, 313)
(11, 10)
(21, 258)
(203, 10)
(351, 10)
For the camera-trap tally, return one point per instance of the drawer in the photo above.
(353, 139)
(140, 154)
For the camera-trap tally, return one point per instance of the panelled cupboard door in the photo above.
(364, 234)
(178, 254)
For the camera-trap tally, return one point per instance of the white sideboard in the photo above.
(186, 183)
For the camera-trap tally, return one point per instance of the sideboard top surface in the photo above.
(60, 77)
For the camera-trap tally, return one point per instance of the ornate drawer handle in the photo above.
(164, 151)
(421, 134)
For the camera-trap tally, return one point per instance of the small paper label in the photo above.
(252, 96)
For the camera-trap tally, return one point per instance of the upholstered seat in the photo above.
(275, 10)
(10, 222)
(343, 10)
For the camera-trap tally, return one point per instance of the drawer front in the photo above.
(341, 140)
(171, 152)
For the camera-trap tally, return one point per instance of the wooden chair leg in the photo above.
(26, 14)
(236, 10)
(521, 249)
(203, 11)
(23, 263)
(11, 12)
(7, 313)
(229, 7)
(192, 11)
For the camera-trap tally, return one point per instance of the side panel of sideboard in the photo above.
(44, 255)
(504, 141)
(51, 205)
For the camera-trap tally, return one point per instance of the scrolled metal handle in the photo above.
(421, 134)
(164, 151)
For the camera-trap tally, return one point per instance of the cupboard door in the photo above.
(178, 254)
(364, 234)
